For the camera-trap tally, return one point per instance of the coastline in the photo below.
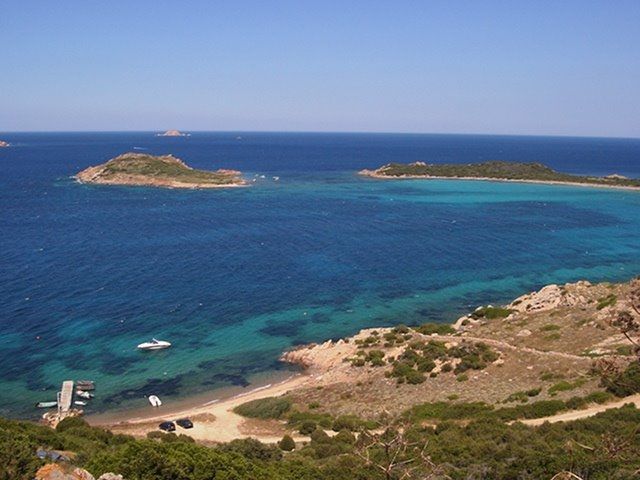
(161, 184)
(373, 174)
(214, 421)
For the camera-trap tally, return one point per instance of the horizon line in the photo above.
(334, 132)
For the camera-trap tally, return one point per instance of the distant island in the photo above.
(3, 144)
(157, 171)
(172, 133)
(497, 171)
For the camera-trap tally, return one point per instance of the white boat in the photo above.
(83, 394)
(154, 401)
(154, 345)
(46, 404)
(80, 403)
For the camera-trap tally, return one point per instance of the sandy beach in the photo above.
(213, 422)
(373, 174)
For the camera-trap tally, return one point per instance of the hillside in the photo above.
(433, 401)
(158, 171)
(496, 170)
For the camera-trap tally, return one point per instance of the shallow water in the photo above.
(233, 277)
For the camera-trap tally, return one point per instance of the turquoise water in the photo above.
(233, 277)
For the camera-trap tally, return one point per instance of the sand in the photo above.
(215, 422)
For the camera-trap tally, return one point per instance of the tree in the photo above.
(392, 454)
(287, 444)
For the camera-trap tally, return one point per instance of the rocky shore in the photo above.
(166, 171)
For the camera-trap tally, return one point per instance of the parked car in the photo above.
(185, 423)
(167, 426)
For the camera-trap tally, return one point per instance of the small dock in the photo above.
(65, 398)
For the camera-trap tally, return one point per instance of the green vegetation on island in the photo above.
(496, 170)
(160, 171)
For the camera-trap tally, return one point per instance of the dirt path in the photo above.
(503, 344)
(587, 412)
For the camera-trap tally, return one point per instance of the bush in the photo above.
(607, 301)
(71, 422)
(270, 407)
(625, 383)
(346, 422)
(435, 328)
(491, 313)
(298, 418)
(287, 444)
(307, 427)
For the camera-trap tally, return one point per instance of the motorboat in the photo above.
(80, 403)
(85, 385)
(154, 345)
(46, 404)
(83, 394)
(154, 401)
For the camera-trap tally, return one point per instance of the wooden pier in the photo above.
(65, 398)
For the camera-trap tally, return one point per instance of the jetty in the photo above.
(65, 397)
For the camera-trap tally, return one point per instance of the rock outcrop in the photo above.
(172, 133)
(55, 471)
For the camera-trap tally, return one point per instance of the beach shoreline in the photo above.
(214, 421)
(373, 174)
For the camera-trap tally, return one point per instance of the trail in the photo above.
(503, 344)
(584, 413)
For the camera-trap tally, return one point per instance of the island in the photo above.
(172, 133)
(3, 144)
(167, 171)
(497, 170)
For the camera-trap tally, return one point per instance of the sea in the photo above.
(310, 251)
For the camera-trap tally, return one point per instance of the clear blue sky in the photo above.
(515, 67)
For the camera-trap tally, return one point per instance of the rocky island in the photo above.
(172, 133)
(3, 144)
(166, 171)
(498, 171)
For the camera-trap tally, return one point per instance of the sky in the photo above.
(498, 67)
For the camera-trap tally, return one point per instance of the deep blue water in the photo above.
(232, 277)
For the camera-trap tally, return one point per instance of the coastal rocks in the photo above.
(55, 471)
(3, 144)
(301, 356)
(549, 297)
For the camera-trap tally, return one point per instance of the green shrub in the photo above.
(296, 418)
(401, 329)
(308, 427)
(71, 422)
(625, 383)
(435, 328)
(491, 313)
(607, 301)
(564, 386)
(550, 327)
(270, 407)
(287, 444)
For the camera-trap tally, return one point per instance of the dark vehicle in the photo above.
(167, 426)
(185, 423)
